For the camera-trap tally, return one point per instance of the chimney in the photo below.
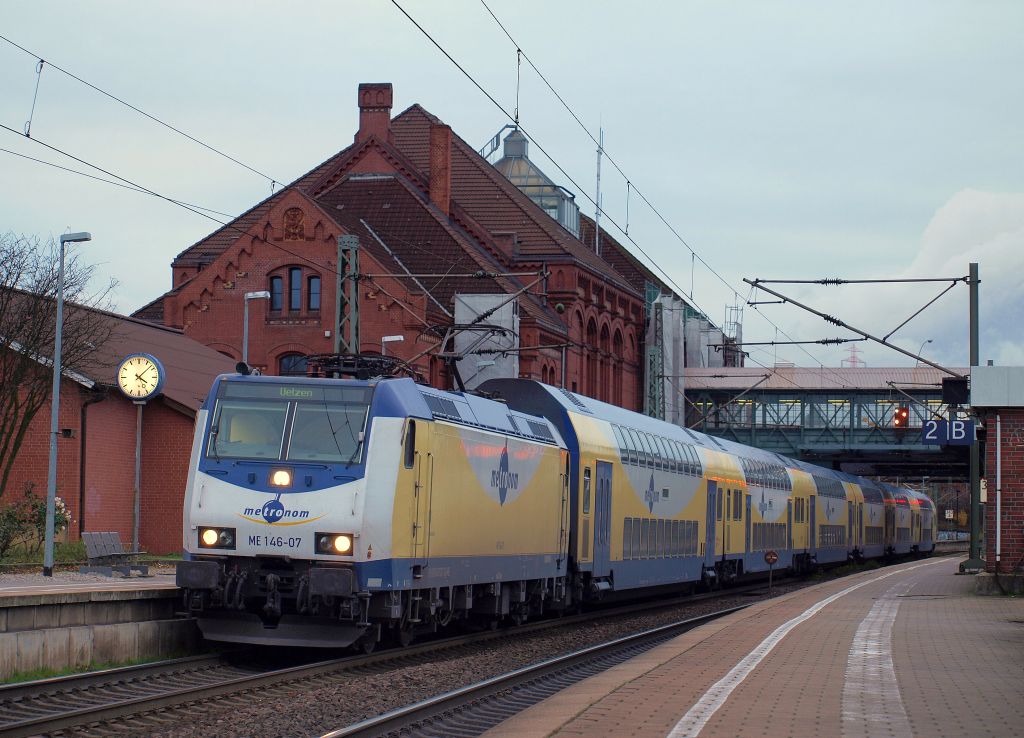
(374, 111)
(441, 166)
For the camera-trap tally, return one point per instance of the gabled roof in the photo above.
(621, 259)
(484, 204)
(398, 226)
(190, 366)
(492, 200)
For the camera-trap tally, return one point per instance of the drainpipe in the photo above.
(97, 394)
(999, 491)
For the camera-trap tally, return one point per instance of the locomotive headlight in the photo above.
(217, 538)
(281, 478)
(337, 544)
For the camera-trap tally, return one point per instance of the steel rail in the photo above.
(404, 717)
(42, 702)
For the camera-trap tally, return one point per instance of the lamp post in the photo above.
(261, 295)
(385, 340)
(51, 479)
(927, 340)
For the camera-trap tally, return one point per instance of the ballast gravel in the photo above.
(305, 709)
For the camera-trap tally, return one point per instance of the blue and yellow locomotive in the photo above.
(329, 512)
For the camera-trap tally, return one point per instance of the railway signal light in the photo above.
(901, 417)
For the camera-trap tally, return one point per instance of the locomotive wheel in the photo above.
(406, 635)
(367, 646)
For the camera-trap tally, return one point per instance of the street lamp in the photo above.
(51, 479)
(927, 340)
(385, 340)
(261, 295)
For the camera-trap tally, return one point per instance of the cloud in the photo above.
(972, 226)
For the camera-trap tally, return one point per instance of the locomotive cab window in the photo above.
(586, 491)
(247, 430)
(289, 422)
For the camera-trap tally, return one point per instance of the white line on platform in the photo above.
(872, 704)
(693, 722)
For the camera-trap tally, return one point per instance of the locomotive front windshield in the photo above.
(277, 422)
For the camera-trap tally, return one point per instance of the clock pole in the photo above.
(136, 511)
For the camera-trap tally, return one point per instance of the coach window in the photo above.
(651, 456)
(586, 491)
(718, 505)
(737, 505)
(641, 455)
(728, 504)
(410, 445)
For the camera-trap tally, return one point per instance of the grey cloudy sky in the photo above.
(780, 139)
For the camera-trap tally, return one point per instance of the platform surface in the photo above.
(70, 586)
(906, 650)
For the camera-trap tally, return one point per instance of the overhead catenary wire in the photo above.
(630, 183)
(108, 181)
(274, 182)
(179, 203)
(138, 110)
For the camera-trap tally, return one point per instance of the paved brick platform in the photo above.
(903, 651)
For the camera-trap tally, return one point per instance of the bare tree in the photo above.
(28, 310)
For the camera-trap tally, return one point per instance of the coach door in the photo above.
(849, 525)
(814, 525)
(709, 552)
(603, 520)
(746, 548)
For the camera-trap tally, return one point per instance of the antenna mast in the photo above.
(597, 199)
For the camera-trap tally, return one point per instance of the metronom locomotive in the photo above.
(335, 512)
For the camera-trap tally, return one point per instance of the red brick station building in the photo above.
(422, 202)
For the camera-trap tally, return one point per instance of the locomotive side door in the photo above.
(603, 520)
(423, 465)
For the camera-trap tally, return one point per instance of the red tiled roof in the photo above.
(492, 200)
(423, 242)
(483, 200)
(635, 272)
(190, 366)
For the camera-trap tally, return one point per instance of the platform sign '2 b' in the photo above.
(947, 432)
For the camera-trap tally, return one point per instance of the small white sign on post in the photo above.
(949, 514)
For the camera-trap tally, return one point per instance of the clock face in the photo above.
(138, 377)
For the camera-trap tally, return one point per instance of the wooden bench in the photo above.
(107, 554)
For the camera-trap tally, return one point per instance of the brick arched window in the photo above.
(605, 365)
(294, 290)
(617, 368)
(291, 365)
(590, 388)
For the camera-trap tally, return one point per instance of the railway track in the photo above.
(153, 693)
(472, 710)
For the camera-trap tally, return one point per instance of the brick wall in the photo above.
(32, 464)
(1012, 422)
(107, 484)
